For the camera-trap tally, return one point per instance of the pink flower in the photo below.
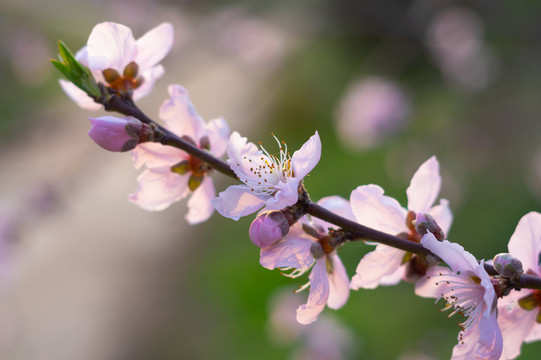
(129, 64)
(520, 312)
(171, 174)
(300, 250)
(268, 180)
(468, 289)
(372, 110)
(116, 134)
(387, 265)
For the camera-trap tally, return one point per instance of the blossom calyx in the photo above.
(269, 227)
(508, 266)
(425, 223)
(119, 134)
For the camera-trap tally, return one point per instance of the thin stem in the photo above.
(112, 102)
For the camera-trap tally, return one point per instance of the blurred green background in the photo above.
(468, 71)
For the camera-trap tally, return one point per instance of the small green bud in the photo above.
(507, 266)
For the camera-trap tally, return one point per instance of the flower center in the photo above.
(464, 294)
(531, 302)
(125, 83)
(193, 165)
(266, 171)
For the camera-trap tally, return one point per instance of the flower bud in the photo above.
(425, 223)
(507, 266)
(268, 227)
(116, 134)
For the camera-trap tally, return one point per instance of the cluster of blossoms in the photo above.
(291, 236)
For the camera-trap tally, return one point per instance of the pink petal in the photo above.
(79, 96)
(200, 208)
(237, 150)
(180, 115)
(110, 45)
(150, 76)
(158, 188)
(286, 196)
(338, 283)
(307, 157)
(443, 216)
(373, 209)
(157, 155)
(319, 293)
(525, 243)
(292, 251)
(480, 341)
(237, 201)
(218, 132)
(337, 205)
(384, 262)
(515, 325)
(154, 46)
(426, 285)
(425, 186)
(452, 254)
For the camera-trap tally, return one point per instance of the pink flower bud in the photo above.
(507, 266)
(425, 223)
(268, 227)
(116, 134)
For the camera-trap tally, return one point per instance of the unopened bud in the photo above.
(507, 266)
(268, 227)
(425, 223)
(116, 134)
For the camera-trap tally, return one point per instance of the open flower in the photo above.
(519, 314)
(268, 180)
(387, 265)
(311, 245)
(468, 290)
(171, 174)
(121, 62)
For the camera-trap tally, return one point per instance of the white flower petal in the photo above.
(515, 324)
(110, 45)
(154, 46)
(452, 254)
(384, 262)
(338, 283)
(337, 205)
(373, 209)
(79, 96)
(307, 157)
(291, 251)
(199, 205)
(180, 115)
(218, 132)
(157, 155)
(525, 243)
(238, 148)
(426, 285)
(319, 293)
(425, 186)
(237, 201)
(149, 79)
(158, 188)
(286, 196)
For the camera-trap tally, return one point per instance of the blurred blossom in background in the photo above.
(86, 275)
(325, 339)
(455, 38)
(372, 110)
